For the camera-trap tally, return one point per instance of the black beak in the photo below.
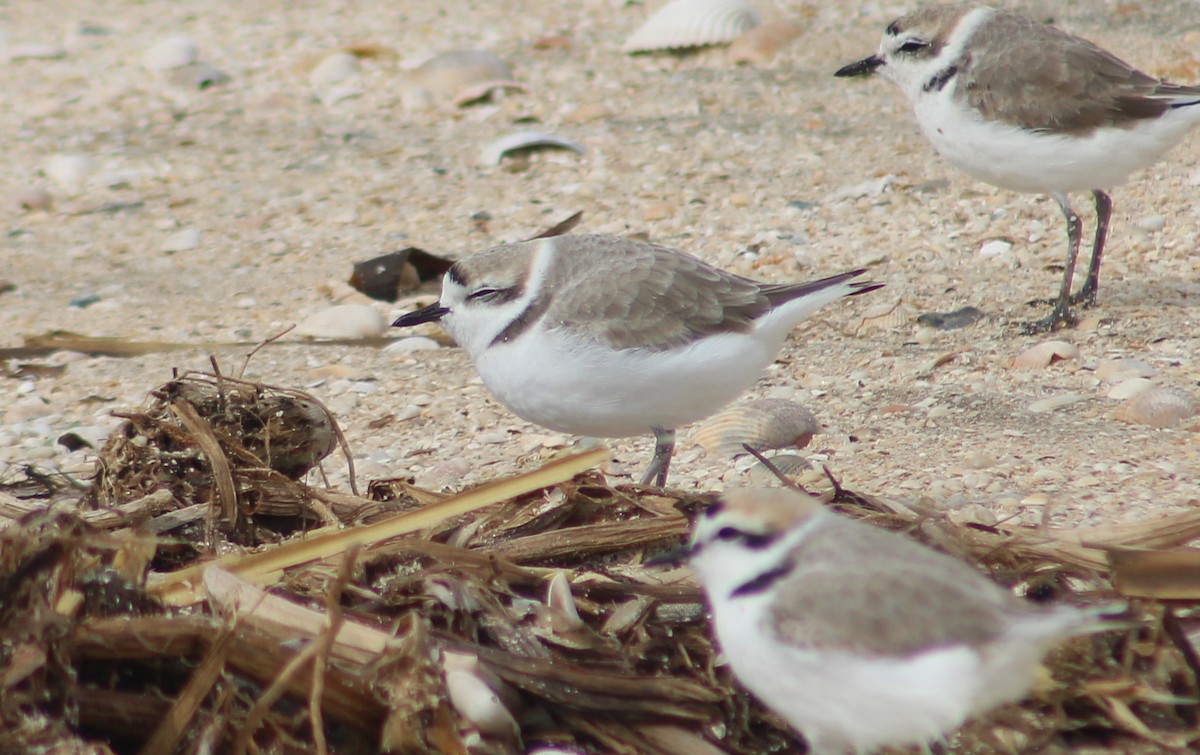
(432, 313)
(861, 68)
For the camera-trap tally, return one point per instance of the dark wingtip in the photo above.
(432, 313)
(864, 287)
(861, 67)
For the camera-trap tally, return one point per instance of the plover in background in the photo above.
(1026, 106)
(857, 636)
(610, 337)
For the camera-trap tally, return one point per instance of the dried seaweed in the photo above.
(490, 620)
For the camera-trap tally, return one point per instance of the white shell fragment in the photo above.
(1130, 388)
(458, 77)
(172, 52)
(763, 424)
(474, 698)
(344, 321)
(188, 238)
(493, 153)
(1159, 407)
(1044, 354)
(1120, 370)
(693, 23)
(334, 78)
(1052, 403)
(69, 171)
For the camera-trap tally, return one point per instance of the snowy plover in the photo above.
(1028, 107)
(860, 637)
(611, 337)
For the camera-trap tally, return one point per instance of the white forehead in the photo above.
(757, 510)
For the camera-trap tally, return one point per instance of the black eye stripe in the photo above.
(496, 295)
(913, 45)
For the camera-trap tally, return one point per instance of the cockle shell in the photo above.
(790, 466)
(760, 44)
(884, 316)
(693, 23)
(1158, 407)
(1044, 354)
(763, 424)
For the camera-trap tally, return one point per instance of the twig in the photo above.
(250, 355)
(333, 609)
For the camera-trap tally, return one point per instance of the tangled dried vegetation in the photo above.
(201, 597)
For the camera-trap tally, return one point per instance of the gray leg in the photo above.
(664, 446)
(1061, 315)
(1087, 295)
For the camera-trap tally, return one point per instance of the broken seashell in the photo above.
(1046, 405)
(493, 153)
(450, 76)
(763, 424)
(331, 78)
(789, 465)
(1043, 355)
(885, 316)
(35, 51)
(1120, 370)
(560, 603)
(475, 699)
(172, 52)
(344, 321)
(485, 90)
(760, 44)
(1130, 388)
(1158, 407)
(693, 23)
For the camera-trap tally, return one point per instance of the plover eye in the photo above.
(729, 533)
(483, 294)
(913, 45)
(752, 540)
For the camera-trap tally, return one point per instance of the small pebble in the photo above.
(69, 171)
(84, 300)
(172, 52)
(995, 248)
(1152, 223)
(188, 238)
(959, 318)
(33, 199)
